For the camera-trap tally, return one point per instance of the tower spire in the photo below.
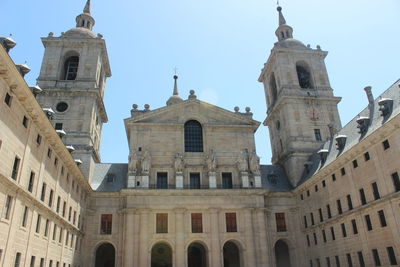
(175, 85)
(175, 98)
(283, 31)
(86, 9)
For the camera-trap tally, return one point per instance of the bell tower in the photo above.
(301, 108)
(73, 76)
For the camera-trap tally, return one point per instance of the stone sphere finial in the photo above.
(192, 94)
(236, 109)
(146, 107)
(248, 109)
(135, 106)
(51, 34)
(318, 47)
(279, 9)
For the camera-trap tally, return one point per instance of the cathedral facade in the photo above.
(193, 192)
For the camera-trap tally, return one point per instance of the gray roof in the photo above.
(351, 131)
(118, 172)
(274, 178)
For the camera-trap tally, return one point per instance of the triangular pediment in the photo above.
(193, 109)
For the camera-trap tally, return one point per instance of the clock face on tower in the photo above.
(313, 113)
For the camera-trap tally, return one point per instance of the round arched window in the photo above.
(61, 107)
(193, 136)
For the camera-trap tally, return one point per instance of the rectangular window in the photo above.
(31, 181)
(63, 209)
(69, 213)
(195, 180)
(106, 224)
(46, 227)
(368, 222)
(227, 180)
(396, 181)
(321, 217)
(58, 204)
(311, 264)
(312, 218)
(32, 263)
(197, 223)
(349, 202)
(324, 185)
(25, 216)
(391, 256)
(308, 193)
(355, 164)
(362, 196)
(366, 156)
(344, 230)
(49, 152)
(38, 139)
(324, 236)
(162, 223)
(333, 177)
(308, 240)
(361, 259)
(318, 263)
(280, 222)
(17, 259)
(301, 197)
(51, 198)
(316, 188)
(305, 221)
(39, 217)
(41, 262)
(162, 180)
(8, 99)
(333, 233)
(7, 208)
(377, 260)
(43, 193)
(328, 262)
(385, 144)
(382, 218)
(231, 225)
(60, 235)
(315, 238)
(339, 206)
(25, 122)
(343, 171)
(58, 126)
(376, 191)
(337, 260)
(354, 224)
(51, 263)
(328, 209)
(14, 173)
(317, 133)
(349, 260)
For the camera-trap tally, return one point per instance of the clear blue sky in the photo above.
(218, 47)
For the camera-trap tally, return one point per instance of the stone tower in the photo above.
(301, 108)
(73, 78)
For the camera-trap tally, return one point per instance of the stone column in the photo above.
(179, 238)
(215, 242)
(261, 238)
(249, 238)
(144, 228)
(178, 180)
(128, 238)
(212, 179)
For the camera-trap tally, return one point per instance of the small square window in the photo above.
(110, 178)
(366, 156)
(385, 144)
(58, 126)
(343, 171)
(355, 164)
(25, 122)
(8, 99)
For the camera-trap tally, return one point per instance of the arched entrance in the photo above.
(231, 255)
(282, 254)
(161, 255)
(197, 255)
(105, 256)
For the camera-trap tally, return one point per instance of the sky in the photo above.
(218, 48)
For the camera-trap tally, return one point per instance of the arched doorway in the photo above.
(282, 254)
(197, 255)
(231, 255)
(161, 255)
(105, 256)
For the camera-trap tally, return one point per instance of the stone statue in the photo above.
(243, 161)
(146, 162)
(211, 161)
(133, 162)
(179, 162)
(255, 163)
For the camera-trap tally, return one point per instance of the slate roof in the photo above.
(351, 131)
(274, 178)
(100, 175)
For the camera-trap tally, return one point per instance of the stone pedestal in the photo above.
(257, 181)
(245, 179)
(212, 180)
(131, 181)
(145, 181)
(179, 180)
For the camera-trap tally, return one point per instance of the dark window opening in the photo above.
(368, 222)
(106, 224)
(385, 144)
(343, 171)
(337, 261)
(195, 180)
(349, 260)
(231, 225)
(333, 233)
(376, 191)
(391, 256)
(308, 241)
(354, 224)
(344, 232)
(280, 222)
(197, 223)
(339, 206)
(15, 169)
(323, 183)
(162, 223)
(333, 177)
(362, 197)
(58, 126)
(25, 122)
(328, 209)
(43, 193)
(396, 181)
(349, 202)
(377, 260)
(312, 218)
(162, 180)
(71, 68)
(227, 180)
(321, 217)
(366, 156)
(382, 218)
(317, 133)
(324, 236)
(61, 107)
(355, 164)
(193, 136)
(38, 139)
(305, 221)
(315, 239)
(8, 99)
(274, 91)
(361, 259)
(31, 182)
(304, 76)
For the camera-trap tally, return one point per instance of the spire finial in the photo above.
(175, 84)
(284, 31)
(175, 98)
(281, 17)
(86, 9)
